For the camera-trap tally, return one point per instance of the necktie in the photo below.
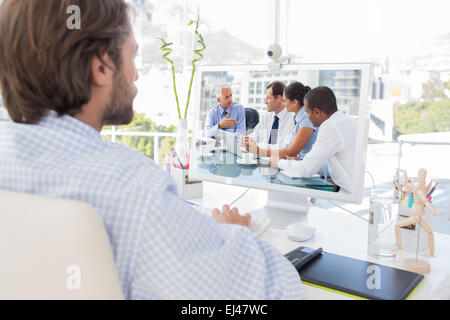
(224, 114)
(274, 132)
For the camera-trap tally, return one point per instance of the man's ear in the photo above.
(102, 74)
(317, 111)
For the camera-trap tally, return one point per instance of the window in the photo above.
(169, 19)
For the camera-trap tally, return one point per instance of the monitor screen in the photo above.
(225, 160)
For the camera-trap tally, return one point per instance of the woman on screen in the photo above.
(304, 134)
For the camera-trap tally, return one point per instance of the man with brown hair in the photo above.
(275, 127)
(60, 87)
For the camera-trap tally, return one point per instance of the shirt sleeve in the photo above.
(327, 144)
(183, 254)
(254, 134)
(306, 123)
(211, 125)
(257, 131)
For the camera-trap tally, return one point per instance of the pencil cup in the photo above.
(383, 215)
(187, 189)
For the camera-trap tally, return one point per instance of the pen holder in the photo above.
(187, 189)
(412, 232)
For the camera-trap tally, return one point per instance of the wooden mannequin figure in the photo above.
(420, 201)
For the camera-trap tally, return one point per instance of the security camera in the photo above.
(274, 52)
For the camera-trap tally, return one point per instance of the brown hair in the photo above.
(297, 91)
(46, 66)
(277, 88)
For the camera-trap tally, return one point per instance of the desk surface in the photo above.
(336, 233)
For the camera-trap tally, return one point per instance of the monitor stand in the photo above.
(284, 208)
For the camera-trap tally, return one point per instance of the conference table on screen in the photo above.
(338, 233)
(226, 164)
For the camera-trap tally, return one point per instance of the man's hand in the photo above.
(231, 216)
(250, 144)
(227, 122)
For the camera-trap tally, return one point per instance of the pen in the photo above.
(432, 190)
(180, 162)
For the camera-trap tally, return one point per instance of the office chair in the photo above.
(54, 249)
(251, 119)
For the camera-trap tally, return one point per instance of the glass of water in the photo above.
(383, 215)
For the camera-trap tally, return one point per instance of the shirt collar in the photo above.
(281, 114)
(334, 115)
(227, 110)
(52, 120)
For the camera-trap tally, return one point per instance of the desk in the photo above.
(336, 233)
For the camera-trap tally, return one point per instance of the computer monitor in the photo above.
(287, 198)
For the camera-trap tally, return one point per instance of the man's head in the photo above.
(224, 95)
(422, 176)
(46, 66)
(320, 104)
(274, 97)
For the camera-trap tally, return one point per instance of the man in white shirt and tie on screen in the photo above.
(334, 149)
(275, 127)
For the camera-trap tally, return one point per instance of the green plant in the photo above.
(166, 48)
(422, 117)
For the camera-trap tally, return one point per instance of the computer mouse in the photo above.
(300, 231)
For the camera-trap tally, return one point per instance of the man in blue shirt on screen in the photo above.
(227, 115)
(60, 87)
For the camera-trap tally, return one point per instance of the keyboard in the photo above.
(258, 224)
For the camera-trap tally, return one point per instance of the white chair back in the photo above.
(54, 249)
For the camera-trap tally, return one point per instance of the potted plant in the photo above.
(182, 146)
